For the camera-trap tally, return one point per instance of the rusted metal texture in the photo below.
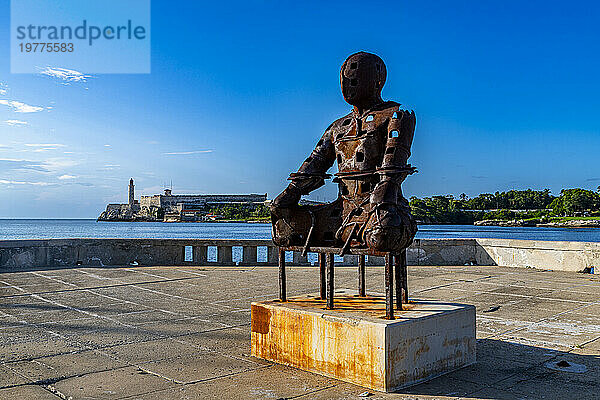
(322, 274)
(330, 281)
(389, 287)
(371, 146)
(282, 281)
(362, 289)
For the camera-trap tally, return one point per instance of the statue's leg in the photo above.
(391, 228)
(291, 225)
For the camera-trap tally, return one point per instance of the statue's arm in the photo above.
(311, 174)
(394, 167)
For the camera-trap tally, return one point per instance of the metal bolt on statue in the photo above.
(371, 146)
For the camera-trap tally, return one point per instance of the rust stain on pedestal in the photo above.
(355, 343)
(327, 345)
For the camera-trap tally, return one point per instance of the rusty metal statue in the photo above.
(372, 146)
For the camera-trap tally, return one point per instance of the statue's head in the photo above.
(362, 77)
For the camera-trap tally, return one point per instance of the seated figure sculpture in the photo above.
(371, 146)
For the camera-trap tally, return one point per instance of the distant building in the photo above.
(175, 208)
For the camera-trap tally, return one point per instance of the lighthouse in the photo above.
(131, 193)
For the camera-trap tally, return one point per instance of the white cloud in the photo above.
(55, 164)
(5, 182)
(15, 122)
(66, 75)
(19, 107)
(182, 153)
(41, 147)
(66, 177)
(8, 164)
(45, 145)
(107, 145)
(3, 89)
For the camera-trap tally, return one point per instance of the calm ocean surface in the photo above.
(89, 228)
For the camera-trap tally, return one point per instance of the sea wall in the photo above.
(557, 256)
(560, 256)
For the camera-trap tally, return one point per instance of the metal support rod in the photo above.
(282, 287)
(361, 276)
(398, 275)
(404, 277)
(389, 287)
(330, 287)
(322, 275)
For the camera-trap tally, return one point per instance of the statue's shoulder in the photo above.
(343, 121)
(392, 109)
(340, 126)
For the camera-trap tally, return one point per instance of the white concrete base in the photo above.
(354, 342)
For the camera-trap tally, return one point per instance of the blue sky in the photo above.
(506, 96)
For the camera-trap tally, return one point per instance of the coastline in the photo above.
(574, 223)
(188, 222)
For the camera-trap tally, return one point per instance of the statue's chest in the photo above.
(360, 143)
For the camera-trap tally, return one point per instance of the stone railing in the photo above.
(568, 256)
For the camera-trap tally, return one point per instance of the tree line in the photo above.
(514, 204)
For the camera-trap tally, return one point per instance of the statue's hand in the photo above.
(286, 199)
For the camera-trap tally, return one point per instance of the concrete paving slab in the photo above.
(114, 384)
(65, 365)
(271, 382)
(232, 317)
(542, 383)
(574, 295)
(146, 316)
(24, 304)
(443, 386)
(8, 377)
(230, 341)
(526, 291)
(115, 335)
(53, 316)
(178, 327)
(345, 391)
(492, 393)
(490, 370)
(7, 322)
(492, 349)
(6, 291)
(153, 350)
(35, 349)
(200, 366)
(557, 332)
(112, 306)
(29, 392)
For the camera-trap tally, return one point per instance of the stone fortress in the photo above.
(168, 207)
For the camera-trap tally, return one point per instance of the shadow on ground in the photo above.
(508, 370)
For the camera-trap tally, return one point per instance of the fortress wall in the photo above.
(560, 256)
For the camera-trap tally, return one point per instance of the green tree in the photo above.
(571, 201)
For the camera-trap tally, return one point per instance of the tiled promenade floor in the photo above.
(183, 333)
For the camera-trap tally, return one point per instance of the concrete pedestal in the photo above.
(354, 342)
